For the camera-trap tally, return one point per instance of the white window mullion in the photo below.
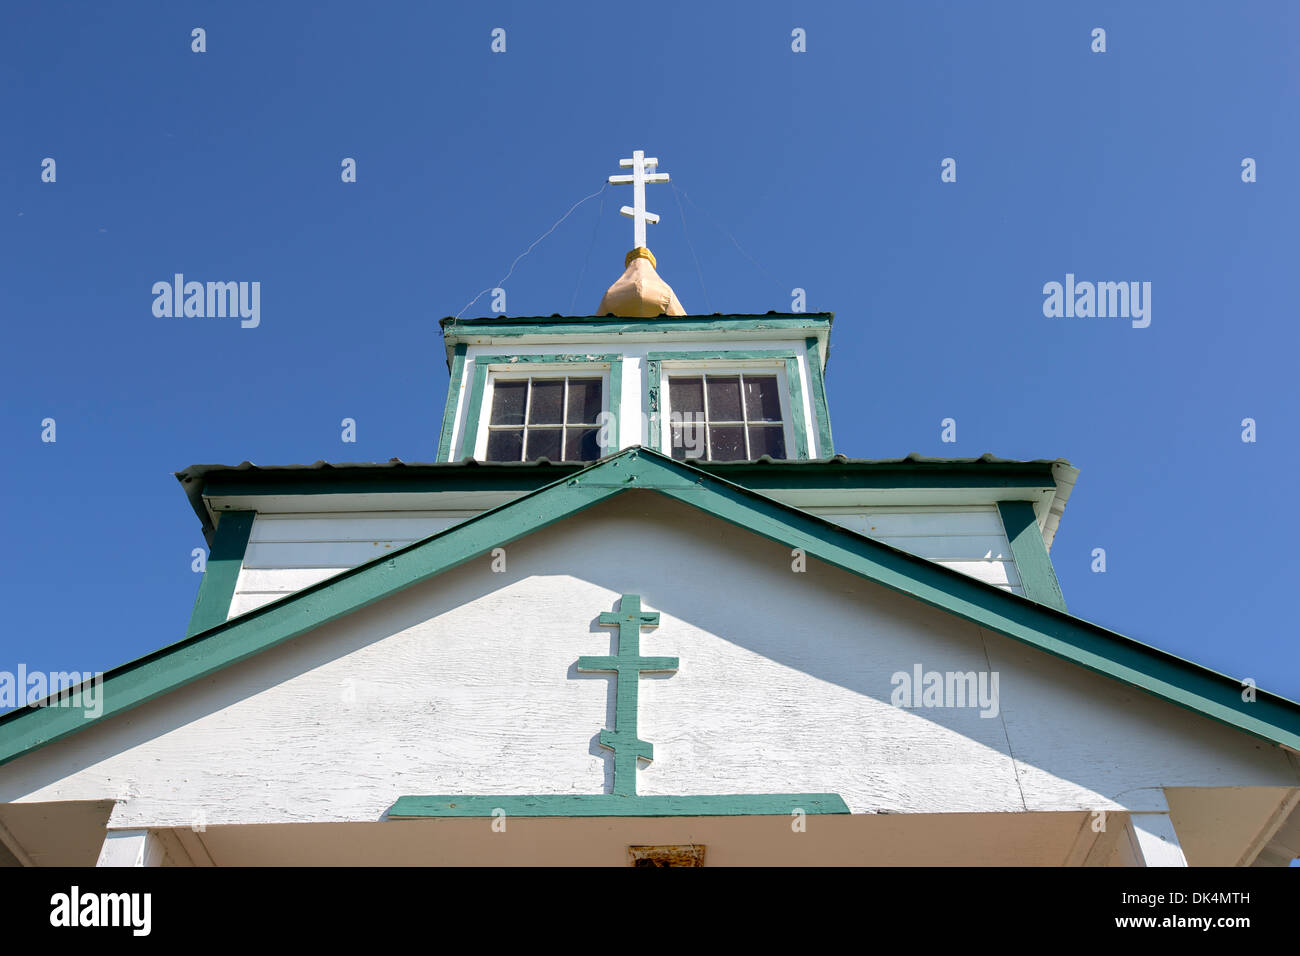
(564, 416)
(708, 441)
(528, 407)
(744, 416)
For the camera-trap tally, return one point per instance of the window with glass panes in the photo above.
(556, 417)
(726, 417)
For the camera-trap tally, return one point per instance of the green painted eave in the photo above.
(387, 477)
(912, 471)
(396, 476)
(451, 324)
(503, 327)
(1049, 629)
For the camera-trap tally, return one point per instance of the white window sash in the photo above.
(704, 367)
(514, 373)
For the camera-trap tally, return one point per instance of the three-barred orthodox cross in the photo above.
(641, 174)
(629, 665)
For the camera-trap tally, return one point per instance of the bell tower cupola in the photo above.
(641, 371)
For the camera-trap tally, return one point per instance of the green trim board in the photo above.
(1038, 471)
(794, 386)
(398, 477)
(795, 383)
(454, 384)
(485, 329)
(1159, 673)
(717, 322)
(821, 410)
(480, 476)
(850, 475)
(914, 472)
(1037, 576)
(628, 664)
(616, 805)
(217, 587)
(617, 326)
(653, 377)
(479, 385)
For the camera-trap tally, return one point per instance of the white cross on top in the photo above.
(641, 174)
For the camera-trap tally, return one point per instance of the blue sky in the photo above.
(822, 166)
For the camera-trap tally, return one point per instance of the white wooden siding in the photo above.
(967, 538)
(287, 553)
(466, 684)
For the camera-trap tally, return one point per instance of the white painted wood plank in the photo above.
(353, 527)
(243, 603)
(131, 848)
(921, 522)
(968, 540)
(1156, 839)
(991, 572)
(333, 555)
(317, 554)
(955, 547)
(281, 580)
(291, 552)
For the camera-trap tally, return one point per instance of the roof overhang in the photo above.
(548, 329)
(474, 485)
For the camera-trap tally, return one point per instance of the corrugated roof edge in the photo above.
(502, 319)
(194, 471)
(193, 479)
(460, 331)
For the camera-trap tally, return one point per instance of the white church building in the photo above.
(641, 611)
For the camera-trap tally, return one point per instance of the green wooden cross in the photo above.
(629, 665)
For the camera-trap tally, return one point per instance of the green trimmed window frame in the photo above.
(477, 372)
(787, 359)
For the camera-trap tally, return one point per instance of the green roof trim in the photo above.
(618, 805)
(455, 381)
(546, 323)
(221, 571)
(1037, 576)
(912, 472)
(397, 477)
(1154, 671)
(496, 327)
(816, 369)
